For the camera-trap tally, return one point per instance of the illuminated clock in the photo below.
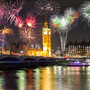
(49, 33)
(45, 32)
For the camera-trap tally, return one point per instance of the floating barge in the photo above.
(78, 63)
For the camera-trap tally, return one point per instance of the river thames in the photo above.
(46, 78)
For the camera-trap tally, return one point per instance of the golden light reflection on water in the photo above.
(47, 78)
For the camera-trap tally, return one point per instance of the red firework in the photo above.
(19, 22)
(30, 21)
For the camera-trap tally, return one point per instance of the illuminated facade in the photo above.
(46, 35)
(46, 40)
(35, 52)
(78, 49)
(5, 51)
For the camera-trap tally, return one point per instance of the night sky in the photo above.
(77, 33)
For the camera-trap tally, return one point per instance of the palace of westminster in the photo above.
(73, 48)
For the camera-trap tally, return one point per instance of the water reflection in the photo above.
(37, 79)
(46, 78)
(7, 81)
(21, 80)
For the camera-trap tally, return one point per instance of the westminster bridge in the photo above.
(37, 58)
(20, 61)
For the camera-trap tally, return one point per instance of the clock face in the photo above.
(49, 33)
(45, 32)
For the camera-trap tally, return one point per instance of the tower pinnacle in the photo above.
(46, 23)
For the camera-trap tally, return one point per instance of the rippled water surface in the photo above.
(46, 78)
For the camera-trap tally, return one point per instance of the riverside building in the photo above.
(78, 48)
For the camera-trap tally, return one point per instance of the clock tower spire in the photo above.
(46, 35)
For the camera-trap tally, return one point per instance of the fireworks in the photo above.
(85, 11)
(54, 22)
(9, 11)
(3, 15)
(69, 11)
(63, 24)
(13, 11)
(44, 7)
(3, 33)
(27, 34)
(30, 21)
(18, 6)
(19, 22)
(54, 8)
(1, 12)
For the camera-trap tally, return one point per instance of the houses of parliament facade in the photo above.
(34, 50)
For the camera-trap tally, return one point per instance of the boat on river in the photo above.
(78, 63)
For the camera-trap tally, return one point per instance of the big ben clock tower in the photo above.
(46, 37)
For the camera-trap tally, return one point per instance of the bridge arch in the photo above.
(29, 62)
(9, 63)
(9, 60)
(42, 62)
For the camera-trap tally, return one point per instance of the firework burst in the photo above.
(53, 8)
(69, 11)
(31, 21)
(54, 22)
(19, 22)
(27, 34)
(3, 14)
(44, 7)
(12, 10)
(84, 11)
(63, 24)
(3, 33)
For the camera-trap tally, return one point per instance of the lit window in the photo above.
(44, 48)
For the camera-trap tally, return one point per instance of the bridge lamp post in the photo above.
(21, 52)
(21, 55)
